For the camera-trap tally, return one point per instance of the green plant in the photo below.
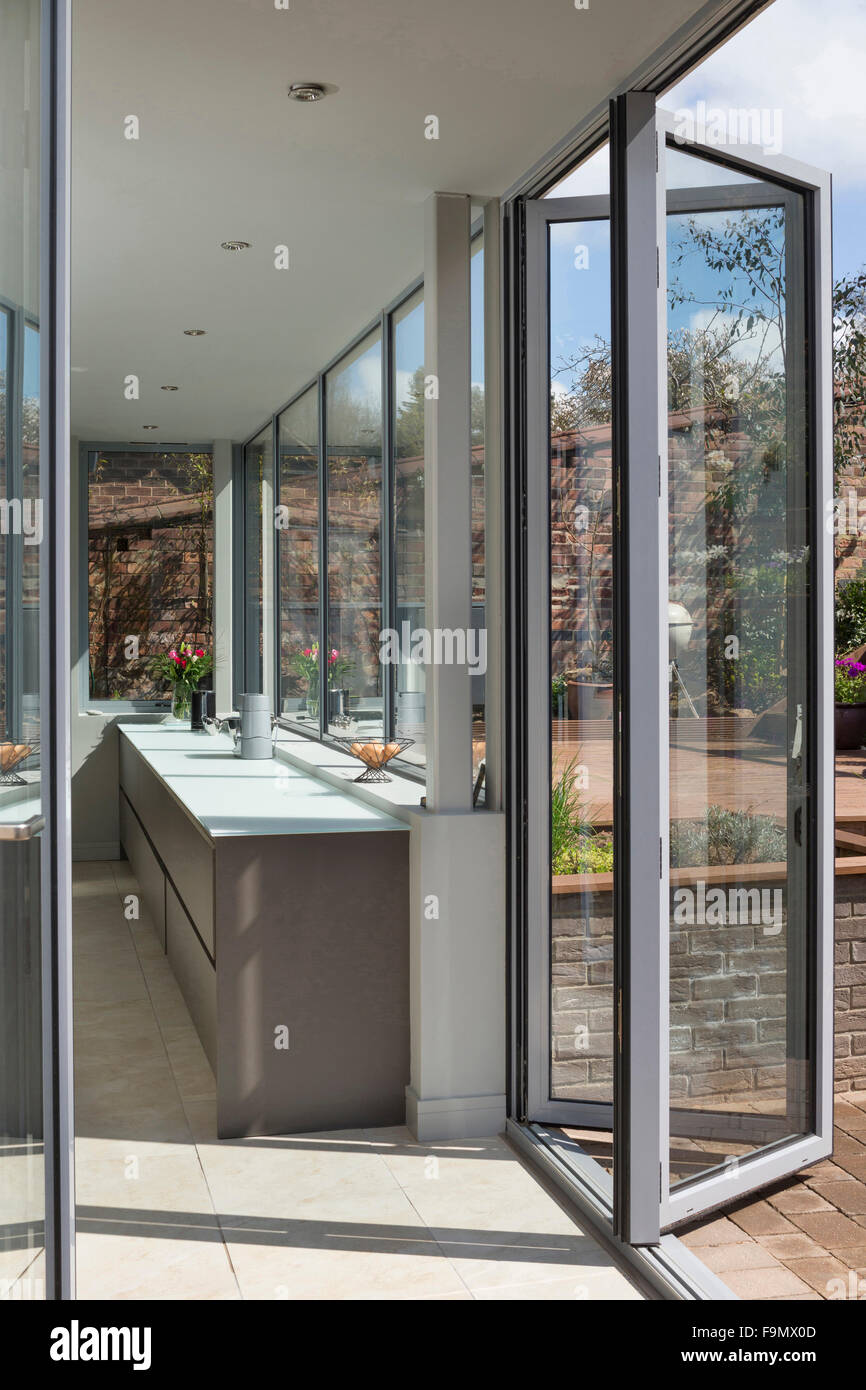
(727, 837)
(850, 615)
(558, 688)
(849, 680)
(576, 847)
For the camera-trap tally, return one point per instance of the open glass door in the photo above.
(749, 837)
(36, 1206)
(679, 761)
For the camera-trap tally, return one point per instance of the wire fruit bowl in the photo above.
(374, 753)
(11, 755)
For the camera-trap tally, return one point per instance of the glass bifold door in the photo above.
(678, 464)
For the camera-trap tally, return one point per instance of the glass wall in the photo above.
(258, 549)
(149, 566)
(363, 563)
(353, 427)
(476, 367)
(408, 395)
(24, 495)
(297, 534)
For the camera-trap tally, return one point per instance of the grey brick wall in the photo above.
(728, 1002)
(851, 982)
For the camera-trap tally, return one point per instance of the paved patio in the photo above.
(804, 1238)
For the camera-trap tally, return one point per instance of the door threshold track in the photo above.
(670, 1268)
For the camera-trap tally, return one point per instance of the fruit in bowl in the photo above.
(374, 753)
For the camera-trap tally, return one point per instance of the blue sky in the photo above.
(804, 61)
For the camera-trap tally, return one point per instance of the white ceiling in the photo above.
(224, 154)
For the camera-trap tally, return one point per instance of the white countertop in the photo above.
(228, 795)
(21, 803)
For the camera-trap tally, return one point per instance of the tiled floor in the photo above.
(804, 1239)
(166, 1211)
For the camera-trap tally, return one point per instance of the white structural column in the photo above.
(222, 596)
(457, 881)
(447, 494)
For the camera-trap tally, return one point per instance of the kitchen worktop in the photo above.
(229, 795)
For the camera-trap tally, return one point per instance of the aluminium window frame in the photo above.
(19, 320)
(82, 625)
(646, 1206)
(383, 324)
(778, 1160)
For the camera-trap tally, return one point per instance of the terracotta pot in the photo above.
(850, 726)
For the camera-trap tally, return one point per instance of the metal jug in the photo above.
(254, 738)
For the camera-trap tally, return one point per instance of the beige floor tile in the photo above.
(149, 1267)
(306, 1266)
(22, 1274)
(168, 1211)
(583, 1287)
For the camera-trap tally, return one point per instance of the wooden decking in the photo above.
(734, 771)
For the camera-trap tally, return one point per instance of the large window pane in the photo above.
(479, 581)
(408, 388)
(149, 565)
(23, 510)
(298, 540)
(259, 531)
(353, 405)
(740, 647)
(30, 492)
(5, 422)
(581, 669)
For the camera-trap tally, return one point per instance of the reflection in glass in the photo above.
(22, 1141)
(581, 671)
(353, 414)
(741, 1062)
(258, 475)
(408, 388)
(476, 289)
(149, 565)
(298, 541)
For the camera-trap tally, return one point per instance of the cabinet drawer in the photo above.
(145, 866)
(193, 972)
(184, 850)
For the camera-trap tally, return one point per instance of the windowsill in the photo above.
(401, 796)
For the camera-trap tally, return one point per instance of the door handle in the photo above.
(797, 745)
(22, 830)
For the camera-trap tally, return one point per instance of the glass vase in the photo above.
(181, 700)
(313, 698)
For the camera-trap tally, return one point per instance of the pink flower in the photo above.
(307, 652)
(173, 654)
(199, 651)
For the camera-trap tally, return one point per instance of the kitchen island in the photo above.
(282, 904)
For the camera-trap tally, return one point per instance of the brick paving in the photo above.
(806, 1237)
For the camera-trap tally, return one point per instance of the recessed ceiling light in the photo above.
(150, 427)
(194, 332)
(169, 388)
(235, 245)
(308, 91)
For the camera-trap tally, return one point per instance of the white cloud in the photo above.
(808, 59)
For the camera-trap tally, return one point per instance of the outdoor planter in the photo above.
(589, 699)
(850, 726)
